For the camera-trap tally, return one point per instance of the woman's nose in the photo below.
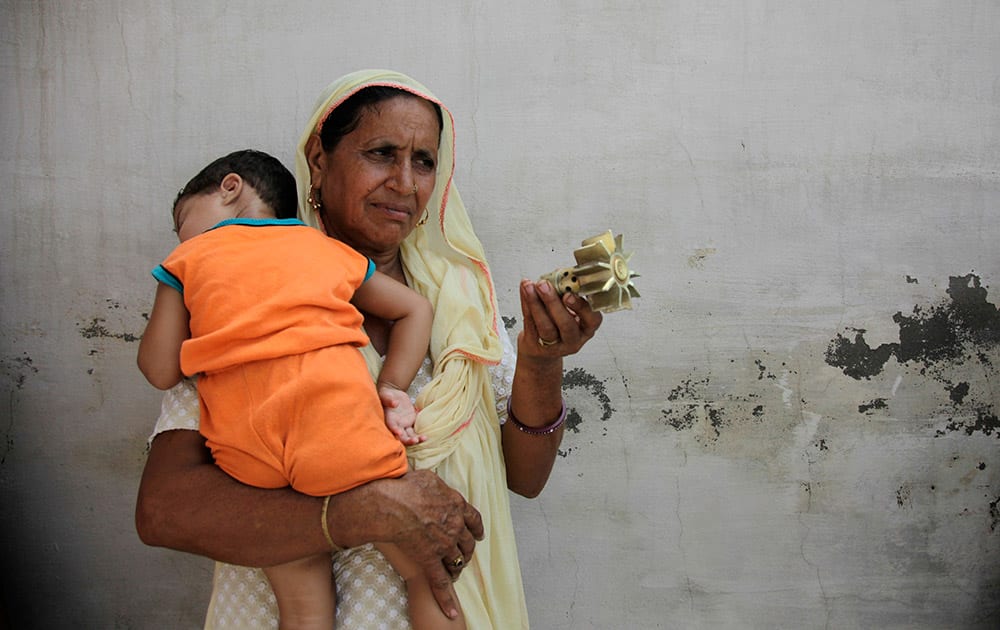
(403, 180)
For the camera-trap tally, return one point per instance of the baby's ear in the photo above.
(231, 187)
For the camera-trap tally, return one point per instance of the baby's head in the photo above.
(245, 183)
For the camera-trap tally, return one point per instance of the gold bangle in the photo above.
(326, 528)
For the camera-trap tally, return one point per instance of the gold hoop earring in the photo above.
(423, 219)
(314, 202)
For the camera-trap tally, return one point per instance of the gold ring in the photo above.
(545, 343)
(458, 562)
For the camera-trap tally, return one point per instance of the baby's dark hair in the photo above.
(273, 183)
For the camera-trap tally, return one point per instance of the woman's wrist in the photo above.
(325, 525)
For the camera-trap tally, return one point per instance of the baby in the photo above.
(286, 395)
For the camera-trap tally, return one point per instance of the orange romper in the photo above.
(286, 397)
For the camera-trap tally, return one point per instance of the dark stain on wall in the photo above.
(958, 392)
(685, 416)
(693, 401)
(933, 339)
(856, 358)
(97, 330)
(97, 327)
(579, 378)
(903, 498)
(868, 407)
(985, 422)
(16, 370)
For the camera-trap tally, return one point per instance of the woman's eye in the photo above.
(426, 164)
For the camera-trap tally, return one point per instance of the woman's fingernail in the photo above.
(544, 287)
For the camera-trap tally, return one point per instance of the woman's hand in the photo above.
(429, 521)
(554, 326)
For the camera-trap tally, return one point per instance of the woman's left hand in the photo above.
(554, 325)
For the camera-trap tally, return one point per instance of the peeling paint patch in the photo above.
(994, 514)
(938, 342)
(856, 358)
(508, 322)
(929, 335)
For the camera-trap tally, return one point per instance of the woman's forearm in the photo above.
(187, 503)
(536, 401)
(554, 326)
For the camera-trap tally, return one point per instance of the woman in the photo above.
(368, 169)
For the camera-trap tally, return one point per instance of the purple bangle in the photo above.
(547, 429)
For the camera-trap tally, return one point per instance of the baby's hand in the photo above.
(400, 414)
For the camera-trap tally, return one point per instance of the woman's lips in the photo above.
(400, 213)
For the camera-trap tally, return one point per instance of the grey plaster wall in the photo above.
(796, 426)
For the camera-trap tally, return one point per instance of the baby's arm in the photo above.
(412, 317)
(160, 348)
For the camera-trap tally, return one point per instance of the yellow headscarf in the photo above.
(445, 262)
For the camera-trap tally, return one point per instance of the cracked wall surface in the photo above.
(796, 425)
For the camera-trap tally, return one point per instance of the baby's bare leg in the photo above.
(305, 593)
(425, 614)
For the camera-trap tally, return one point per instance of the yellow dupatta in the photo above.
(445, 262)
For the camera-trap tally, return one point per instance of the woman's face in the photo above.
(376, 182)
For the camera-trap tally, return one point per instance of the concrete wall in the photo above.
(797, 425)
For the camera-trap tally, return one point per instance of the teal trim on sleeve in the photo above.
(371, 270)
(167, 278)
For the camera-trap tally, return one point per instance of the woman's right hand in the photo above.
(428, 520)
